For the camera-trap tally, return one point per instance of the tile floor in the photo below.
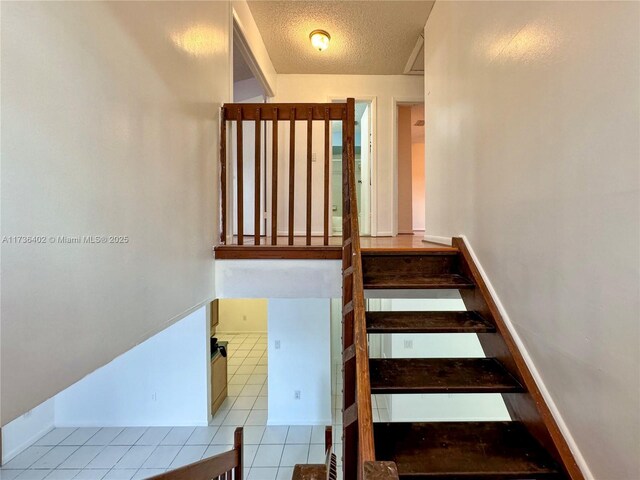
(140, 452)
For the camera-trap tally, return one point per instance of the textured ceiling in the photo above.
(367, 37)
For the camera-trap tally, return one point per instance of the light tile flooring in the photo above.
(139, 452)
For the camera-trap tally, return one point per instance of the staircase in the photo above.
(528, 447)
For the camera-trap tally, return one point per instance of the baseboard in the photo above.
(582, 464)
(300, 233)
(437, 239)
(22, 432)
(384, 234)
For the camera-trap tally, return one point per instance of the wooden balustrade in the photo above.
(224, 466)
(259, 114)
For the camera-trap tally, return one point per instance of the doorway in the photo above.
(248, 89)
(364, 161)
(241, 329)
(410, 136)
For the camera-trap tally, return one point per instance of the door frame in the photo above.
(395, 103)
(249, 56)
(373, 203)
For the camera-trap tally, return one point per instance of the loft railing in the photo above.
(358, 454)
(224, 466)
(241, 114)
(359, 460)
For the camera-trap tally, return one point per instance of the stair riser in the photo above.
(407, 264)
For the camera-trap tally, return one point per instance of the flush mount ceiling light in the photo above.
(320, 40)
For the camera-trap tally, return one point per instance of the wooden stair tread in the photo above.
(399, 251)
(415, 281)
(427, 322)
(440, 375)
(469, 450)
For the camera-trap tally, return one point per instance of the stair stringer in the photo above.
(530, 408)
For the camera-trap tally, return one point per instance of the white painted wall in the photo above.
(161, 382)
(278, 278)
(109, 127)
(532, 113)
(249, 91)
(242, 315)
(303, 362)
(321, 88)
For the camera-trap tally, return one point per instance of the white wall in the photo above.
(532, 113)
(303, 362)
(109, 127)
(249, 91)
(278, 278)
(237, 315)
(161, 382)
(321, 88)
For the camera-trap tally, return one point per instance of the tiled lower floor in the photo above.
(270, 452)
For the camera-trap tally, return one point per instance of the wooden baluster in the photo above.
(274, 180)
(327, 156)
(223, 177)
(309, 167)
(237, 445)
(240, 179)
(257, 212)
(292, 169)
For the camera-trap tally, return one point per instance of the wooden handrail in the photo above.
(359, 449)
(223, 466)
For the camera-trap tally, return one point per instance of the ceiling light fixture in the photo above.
(320, 40)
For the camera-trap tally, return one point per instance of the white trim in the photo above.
(384, 234)
(303, 233)
(437, 239)
(245, 49)
(21, 433)
(582, 464)
(408, 68)
(395, 101)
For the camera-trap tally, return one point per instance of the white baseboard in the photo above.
(22, 432)
(437, 239)
(384, 234)
(580, 460)
(301, 233)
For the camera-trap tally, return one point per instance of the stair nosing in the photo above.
(481, 325)
(513, 386)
